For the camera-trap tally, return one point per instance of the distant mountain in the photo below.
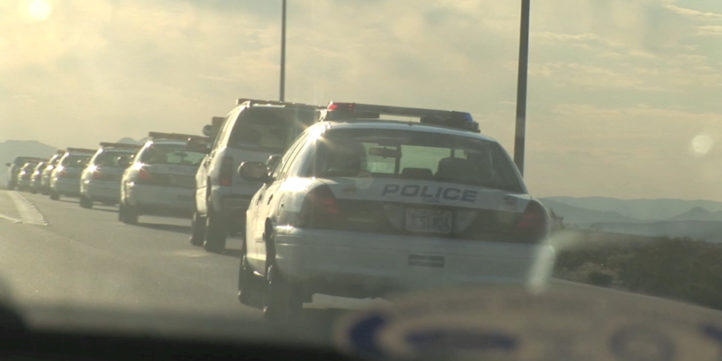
(13, 148)
(583, 216)
(710, 231)
(130, 141)
(641, 209)
(698, 214)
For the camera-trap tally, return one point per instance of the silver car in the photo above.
(48, 170)
(100, 180)
(65, 177)
(161, 180)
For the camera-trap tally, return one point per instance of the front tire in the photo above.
(216, 232)
(198, 229)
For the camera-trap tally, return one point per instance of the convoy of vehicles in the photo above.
(351, 199)
(15, 166)
(48, 170)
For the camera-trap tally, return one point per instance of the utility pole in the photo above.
(281, 95)
(519, 138)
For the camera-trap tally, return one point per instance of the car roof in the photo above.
(403, 126)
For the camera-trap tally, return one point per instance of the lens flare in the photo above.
(701, 144)
(39, 10)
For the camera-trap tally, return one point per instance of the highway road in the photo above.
(56, 253)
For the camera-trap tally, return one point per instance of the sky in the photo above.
(622, 102)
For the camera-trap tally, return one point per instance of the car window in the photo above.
(263, 128)
(171, 154)
(288, 158)
(75, 160)
(416, 155)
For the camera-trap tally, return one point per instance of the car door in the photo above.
(259, 210)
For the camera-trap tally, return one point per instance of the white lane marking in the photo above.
(11, 219)
(29, 214)
(190, 253)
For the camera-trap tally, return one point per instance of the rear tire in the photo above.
(216, 232)
(86, 202)
(128, 214)
(283, 300)
(198, 229)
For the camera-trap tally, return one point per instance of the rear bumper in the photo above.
(366, 264)
(67, 186)
(106, 191)
(161, 200)
(231, 200)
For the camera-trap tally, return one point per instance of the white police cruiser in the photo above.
(48, 171)
(251, 131)
(360, 206)
(65, 176)
(100, 180)
(161, 180)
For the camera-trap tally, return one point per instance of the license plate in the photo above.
(428, 220)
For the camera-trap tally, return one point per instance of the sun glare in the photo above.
(39, 10)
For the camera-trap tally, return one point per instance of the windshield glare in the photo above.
(170, 154)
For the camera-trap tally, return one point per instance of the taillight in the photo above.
(143, 176)
(532, 224)
(319, 209)
(226, 174)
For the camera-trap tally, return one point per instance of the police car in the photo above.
(359, 207)
(160, 180)
(35, 176)
(251, 131)
(48, 170)
(15, 166)
(100, 180)
(65, 177)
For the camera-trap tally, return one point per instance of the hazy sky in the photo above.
(623, 94)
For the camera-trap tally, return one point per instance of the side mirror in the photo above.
(208, 130)
(254, 171)
(273, 161)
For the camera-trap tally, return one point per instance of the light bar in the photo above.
(240, 101)
(451, 119)
(119, 145)
(81, 150)
(178, 136)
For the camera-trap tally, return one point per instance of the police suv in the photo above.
(65, 177)
(251, 131)
(359, 206)
(161, 180)
(100, 180)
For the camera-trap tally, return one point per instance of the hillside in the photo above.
(582, 216)
(640, 209)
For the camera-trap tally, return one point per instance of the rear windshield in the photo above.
(75, 160)
(110, 158)
(171, 154)
(416, 155)
(269, 129)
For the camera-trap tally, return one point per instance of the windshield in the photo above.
(334, 167)
(170, 154)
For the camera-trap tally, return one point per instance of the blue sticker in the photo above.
(363, 334)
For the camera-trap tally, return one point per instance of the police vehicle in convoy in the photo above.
(65, 176)
(35, 176)
(24, 177)
(15, 166)
(100, 180)
(251, 131)
(160, 180)
(52, 162)
(359, 206)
